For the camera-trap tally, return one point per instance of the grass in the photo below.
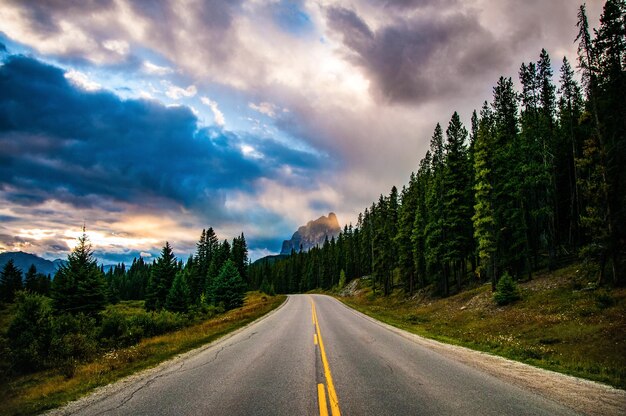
(127, 307)
(555, 325)
(34, 393)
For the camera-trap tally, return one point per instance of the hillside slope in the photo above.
(560, 324)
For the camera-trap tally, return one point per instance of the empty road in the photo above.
(315, 356)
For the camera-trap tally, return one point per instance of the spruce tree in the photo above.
(10, 281)
(228, 288)
(406, 220)
(418, 235)
(239, 256)
(570, 108)
(179, 296)
(79, 285)
(457, 205)
(434, 231)
(509, 206)
(161, 278)
(484, 217)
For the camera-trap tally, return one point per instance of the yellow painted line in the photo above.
(321, 396)
(332, 394)
(315, 339)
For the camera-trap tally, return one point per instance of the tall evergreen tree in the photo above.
(179, 296)
(239, 256)
(79, 285)
(228, 288)
(484, 216)
(161, 278)
(508, 203)
(406, 220)
(10, 281)
(457, 205)
(434, 231)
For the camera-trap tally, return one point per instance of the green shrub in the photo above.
(118, 330)
(156, 323)
(506, 290)
(74, 340)
(30, 331)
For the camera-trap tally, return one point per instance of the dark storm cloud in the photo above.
(86, 148)
(419, 58)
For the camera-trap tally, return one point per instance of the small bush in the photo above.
(74, 340)
(157, 323)
(506, 290)
(118, 331)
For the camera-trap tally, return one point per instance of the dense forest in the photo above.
(537, 181)
(59, 322)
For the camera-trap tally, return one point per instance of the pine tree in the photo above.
(418, 236)
(35, 282)
(434, 231)
(508, 203)
(229, 288)
(484, 217)
(547, 100)
(239, 256)
(10, 281)
(457, 205)
(79, 285)
(570, 108)
(610, 51)
(161, 278)
(179, 296)
(406, 220)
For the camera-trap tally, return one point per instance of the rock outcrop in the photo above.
(312, 234)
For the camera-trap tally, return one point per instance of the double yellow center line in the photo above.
(321, 394)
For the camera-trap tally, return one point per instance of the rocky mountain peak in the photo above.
(313, 234)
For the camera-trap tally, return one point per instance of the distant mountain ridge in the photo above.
(312, 234)
(23, 261)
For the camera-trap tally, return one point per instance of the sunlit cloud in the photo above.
(264, 107)
(120, 47)
(176, 93)
(155, 69)
(218, 116)
(82, 80)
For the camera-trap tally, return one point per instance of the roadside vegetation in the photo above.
(560, 322)
(61, 337)
(34, 392)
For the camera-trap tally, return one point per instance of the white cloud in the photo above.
(176, 93)
(120, 47)
(145, 254)
(155, 69)
(250, 152)
(264, 107)
(218, 116)
(82, 80)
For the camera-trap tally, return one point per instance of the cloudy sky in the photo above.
(148, 121)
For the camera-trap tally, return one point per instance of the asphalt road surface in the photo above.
(315, 356)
